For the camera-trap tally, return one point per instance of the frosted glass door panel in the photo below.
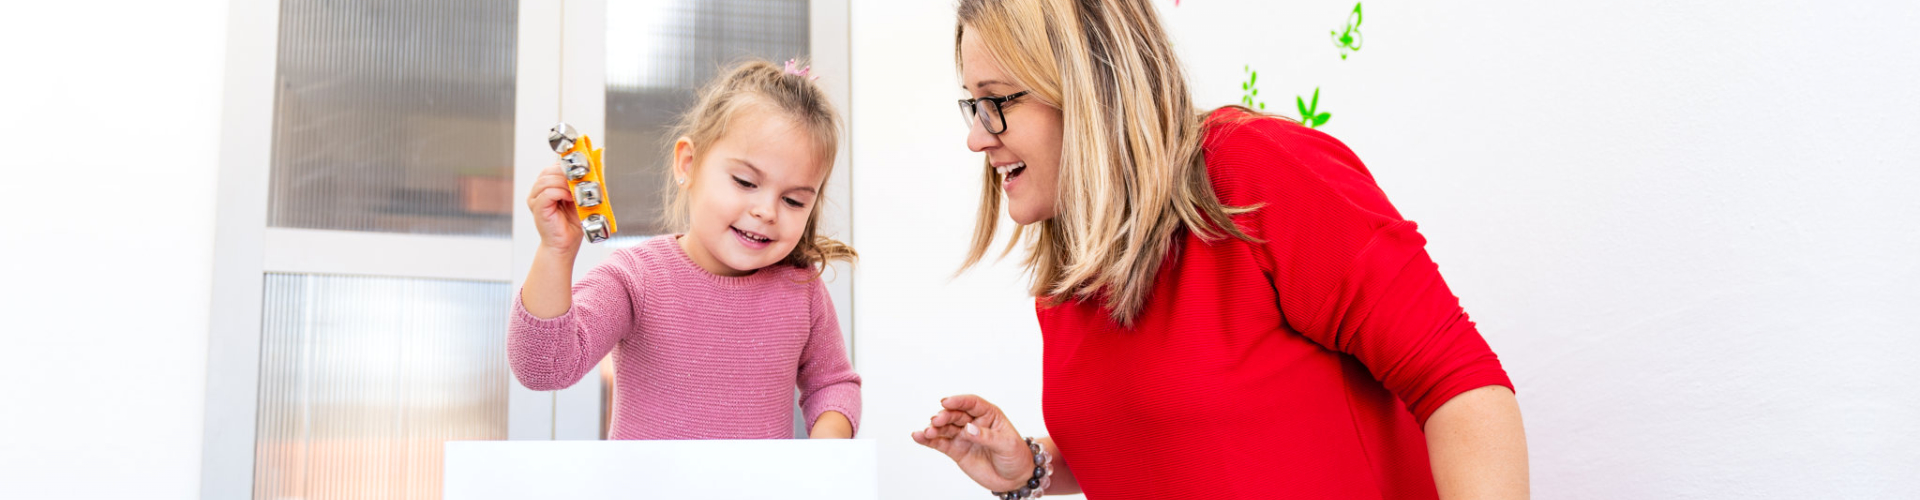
(363, 379)
(395, 116)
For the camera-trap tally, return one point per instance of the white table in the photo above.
(799, 469)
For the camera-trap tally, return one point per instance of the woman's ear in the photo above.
(682, 161)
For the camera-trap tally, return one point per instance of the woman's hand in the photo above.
(553, 214)
(981, 441)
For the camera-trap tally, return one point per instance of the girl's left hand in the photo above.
(831, 425)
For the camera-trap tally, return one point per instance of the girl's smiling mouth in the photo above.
(751, 239)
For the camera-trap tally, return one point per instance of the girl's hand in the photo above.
(979, 439)
(553, 214)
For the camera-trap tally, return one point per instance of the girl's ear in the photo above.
(682, 161)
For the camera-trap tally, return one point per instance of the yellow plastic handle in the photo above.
(595, 175)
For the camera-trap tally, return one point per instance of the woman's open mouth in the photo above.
(1009, 172)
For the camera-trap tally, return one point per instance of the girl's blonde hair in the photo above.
(1131, 175)
(760, 86)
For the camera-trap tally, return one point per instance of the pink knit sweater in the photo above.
(696, 355)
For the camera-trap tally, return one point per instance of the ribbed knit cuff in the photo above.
(843, 398)
(563, 322)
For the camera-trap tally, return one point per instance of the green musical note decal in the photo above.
(1307, 111)
(1247, 90)
(1349, 39)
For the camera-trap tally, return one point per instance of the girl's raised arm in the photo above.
(558, 330)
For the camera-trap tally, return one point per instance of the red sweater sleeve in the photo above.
(1350, 274)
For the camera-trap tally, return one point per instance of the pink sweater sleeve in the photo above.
(826, 380)
(553, 354)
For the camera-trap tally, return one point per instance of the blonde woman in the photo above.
(1231, 307)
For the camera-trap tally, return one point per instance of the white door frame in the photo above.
(233, 341)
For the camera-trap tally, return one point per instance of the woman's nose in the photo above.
(978, 139)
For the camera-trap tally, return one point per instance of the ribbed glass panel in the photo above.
(395, 116)
(362, 379)
(659, 52)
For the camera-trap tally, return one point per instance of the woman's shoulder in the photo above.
(1254, 158)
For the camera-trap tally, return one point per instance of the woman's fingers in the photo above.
(920, 437)
(970, 404)
(983, 422)
(950, 417)
(933, 438)
(942, 432)
(978, 438)
(994, 440)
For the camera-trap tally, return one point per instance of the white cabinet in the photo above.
(791, 469)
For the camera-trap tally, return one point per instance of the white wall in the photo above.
(106, 302)
(1688, 230)
(921, 336)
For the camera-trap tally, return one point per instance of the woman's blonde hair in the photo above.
(1131, 175)
(760, 86)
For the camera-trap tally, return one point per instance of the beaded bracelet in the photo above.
(1042, 476)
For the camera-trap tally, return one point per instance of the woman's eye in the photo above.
(794, 203)
(743, 183)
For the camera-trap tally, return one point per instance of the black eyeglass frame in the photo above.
(970, 110)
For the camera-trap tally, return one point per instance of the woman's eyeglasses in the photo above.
(986, 110)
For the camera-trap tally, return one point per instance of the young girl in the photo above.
(711, 329)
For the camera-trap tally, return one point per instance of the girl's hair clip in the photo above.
(794, 68)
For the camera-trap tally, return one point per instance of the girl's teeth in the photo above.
(1009, 168)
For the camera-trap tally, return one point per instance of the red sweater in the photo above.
(1301, 367)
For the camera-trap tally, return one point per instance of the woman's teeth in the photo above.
(1010, 168)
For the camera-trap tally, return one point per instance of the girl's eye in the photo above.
(794, 203)
(743, 183)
